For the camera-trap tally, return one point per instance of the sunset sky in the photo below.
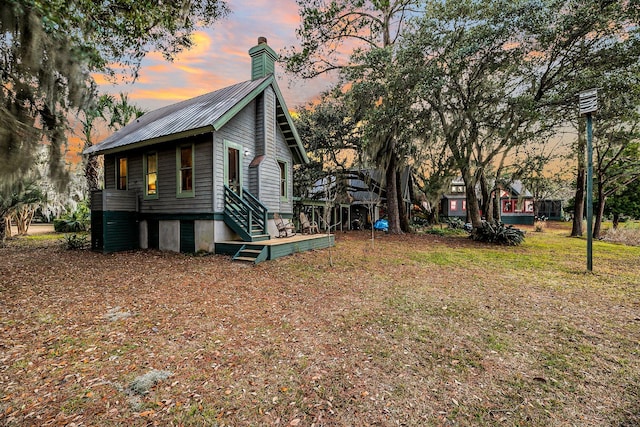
(220, 58)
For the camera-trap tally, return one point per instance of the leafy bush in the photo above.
(455, 223)
(78, 220)
(76, 241)
(445, 231)
(499, 234)
(420, 219)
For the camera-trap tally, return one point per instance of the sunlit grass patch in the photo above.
(437, 257)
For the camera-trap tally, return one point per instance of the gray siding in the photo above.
(239, 130)
(260, 125)
(96, 201)
(254, 172)
(135, 180)
(284, 153)
(119, 201)
(270, 122)
(269, 169)
(109, 172)
(167, 201)
(254, 181)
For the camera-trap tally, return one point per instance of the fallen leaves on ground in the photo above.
(397, 331)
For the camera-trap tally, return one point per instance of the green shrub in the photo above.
(60, 226)
(455, 223)
(78, 220)
(445, 231)
(499, 234)
(76, 241)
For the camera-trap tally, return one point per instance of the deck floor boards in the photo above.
(278, 247)
(279, 240)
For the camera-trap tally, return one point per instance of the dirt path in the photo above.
(34, 229)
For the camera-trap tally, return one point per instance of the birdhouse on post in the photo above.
(588, 101)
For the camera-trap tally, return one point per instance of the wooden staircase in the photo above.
(245, 215)
(251, 253)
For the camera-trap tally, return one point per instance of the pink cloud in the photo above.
(220, 58)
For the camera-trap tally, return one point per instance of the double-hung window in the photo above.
(185, 171)
(122, 173)
(284, 185)
(151, 175)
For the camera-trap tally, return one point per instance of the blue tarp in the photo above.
(381, 224)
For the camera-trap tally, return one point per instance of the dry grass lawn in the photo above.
(412, 330)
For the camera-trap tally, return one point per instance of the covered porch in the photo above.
(255, 252)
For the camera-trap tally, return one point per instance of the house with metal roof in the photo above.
(351, 199)
(205, 174)
(516, 202)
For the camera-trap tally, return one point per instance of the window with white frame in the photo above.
(122, 173)
(283, 179)
(151, 175)
(185, 171)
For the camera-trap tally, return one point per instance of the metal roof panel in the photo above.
(194, 113)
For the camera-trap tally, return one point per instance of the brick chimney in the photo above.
(263, 59)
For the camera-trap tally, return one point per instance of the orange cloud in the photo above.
(220, 58)
(535, 54)
(73, 154)
(511, 45)
(164, 94)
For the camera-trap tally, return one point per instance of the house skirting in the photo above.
(517, 219)
(113, 231)
(188, 233)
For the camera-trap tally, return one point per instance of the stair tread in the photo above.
(244, 258)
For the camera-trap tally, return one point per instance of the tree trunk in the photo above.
(578, 209)
(497, 213)
(24, 216)
(597, 223)
(393, 214)
(91, 173)
(3, 228)
(616, 220)
(486, 197)
(472, 199)
(402, 209)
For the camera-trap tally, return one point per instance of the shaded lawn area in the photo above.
(412, 330)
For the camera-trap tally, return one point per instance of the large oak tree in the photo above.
(498, 74)
(336, 35)
(49, 50)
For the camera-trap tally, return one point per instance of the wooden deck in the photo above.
(279, 247)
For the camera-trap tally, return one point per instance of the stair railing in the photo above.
(245, 210)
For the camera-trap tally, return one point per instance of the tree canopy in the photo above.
(476, 82)
(50, 49)
(497, 76)
(349, 36)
